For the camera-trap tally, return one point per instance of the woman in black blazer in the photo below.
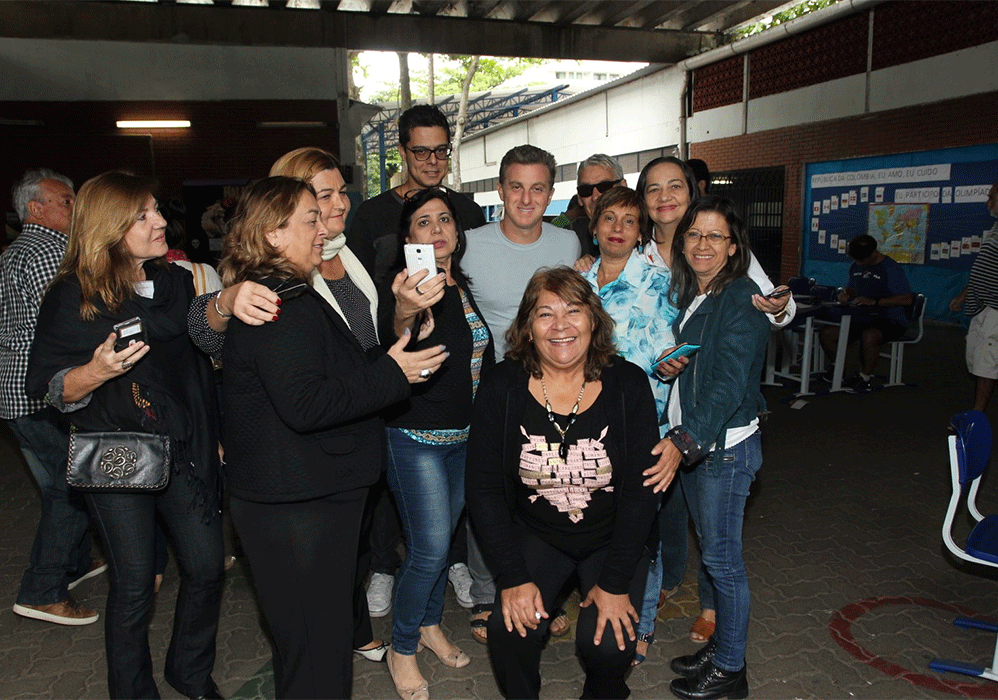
(304, 439)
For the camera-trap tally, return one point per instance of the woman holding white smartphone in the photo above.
(427, 435)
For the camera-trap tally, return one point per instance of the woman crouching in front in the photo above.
(560, 435)
(714, 409)
(304, 437)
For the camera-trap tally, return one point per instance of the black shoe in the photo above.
(689, 666)
(711, 682)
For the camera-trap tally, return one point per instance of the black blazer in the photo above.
(301, 404)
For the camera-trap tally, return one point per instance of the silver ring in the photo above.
(425, 373)
(537, 615)
(125, 364)
(419, 291)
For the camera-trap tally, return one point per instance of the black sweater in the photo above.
(302, 401)
(444, 401)
(494, 457)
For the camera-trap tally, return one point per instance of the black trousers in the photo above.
(303, 557)
(516, 660)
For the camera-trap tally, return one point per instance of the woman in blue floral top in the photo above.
(635, 294)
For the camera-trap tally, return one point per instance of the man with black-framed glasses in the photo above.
(425, 146)
(597, 175)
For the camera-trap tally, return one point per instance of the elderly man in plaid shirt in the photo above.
(60, 556)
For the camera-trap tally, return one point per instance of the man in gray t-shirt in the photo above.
(502, 256)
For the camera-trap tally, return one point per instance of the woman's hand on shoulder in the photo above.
(415, 293)
(250, 302)
(522, 607)
(420, 365)
(615, 609)
(584, 264)
(108, 364)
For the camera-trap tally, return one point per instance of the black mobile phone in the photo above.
(128, 332)
(778, 293)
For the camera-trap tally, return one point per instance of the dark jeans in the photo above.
(716, 492)
(61, 550)
(303, 557)
(127, 524)
(516, 660)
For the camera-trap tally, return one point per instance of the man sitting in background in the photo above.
(878, 284)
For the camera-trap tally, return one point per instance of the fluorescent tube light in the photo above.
(154, 124)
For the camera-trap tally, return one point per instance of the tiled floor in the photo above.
(851, 593)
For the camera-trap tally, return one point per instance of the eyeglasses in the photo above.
(603, 187)
(423, 153)
(713, 237)
(409, 194)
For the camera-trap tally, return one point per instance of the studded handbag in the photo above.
(118, 461)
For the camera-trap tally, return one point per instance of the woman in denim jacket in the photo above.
(714, 410)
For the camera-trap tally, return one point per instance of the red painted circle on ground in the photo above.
(840, 627)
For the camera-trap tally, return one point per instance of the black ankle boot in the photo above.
(689, 666)
(711, 682)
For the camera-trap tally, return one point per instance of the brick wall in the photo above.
(224, 141)
(965, 121)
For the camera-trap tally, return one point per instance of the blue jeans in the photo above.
(127, 524)
(716, 492)
(428, 483)
(61, 550)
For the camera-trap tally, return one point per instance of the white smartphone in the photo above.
(418, 257)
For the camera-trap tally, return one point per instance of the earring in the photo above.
(595, 242)
(457, 248)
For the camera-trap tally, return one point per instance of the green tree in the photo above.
(790, 13)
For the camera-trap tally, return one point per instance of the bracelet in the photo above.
(218, 310)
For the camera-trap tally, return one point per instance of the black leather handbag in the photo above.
(118, 461)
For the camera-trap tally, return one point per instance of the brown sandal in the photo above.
(480, 615)
(560, 625)
(702, 630)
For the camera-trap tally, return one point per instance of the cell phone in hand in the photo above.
(128, 332)
(419, 256)
(778, 293)
(684, 350)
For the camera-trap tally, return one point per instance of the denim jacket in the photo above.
(720, 388)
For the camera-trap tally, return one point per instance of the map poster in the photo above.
(900, 230)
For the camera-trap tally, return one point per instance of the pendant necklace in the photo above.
(563, 447)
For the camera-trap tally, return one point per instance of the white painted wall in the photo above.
(630, 115)
(65, 70)
(948, 76)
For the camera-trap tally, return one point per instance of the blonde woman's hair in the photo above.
(264, 206)
(106, 208)
(304, 163)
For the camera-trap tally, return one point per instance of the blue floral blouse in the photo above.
(638, 303)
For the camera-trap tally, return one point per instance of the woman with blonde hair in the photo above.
(113, 271)
(305, 439)
(344, 283)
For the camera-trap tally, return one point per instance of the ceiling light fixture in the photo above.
(154, 124)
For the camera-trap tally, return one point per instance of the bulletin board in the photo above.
(926, 210)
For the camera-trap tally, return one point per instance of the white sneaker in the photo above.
(460, 578)
(379, 594)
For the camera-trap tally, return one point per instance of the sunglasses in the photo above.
(603, 187)
(286, 292)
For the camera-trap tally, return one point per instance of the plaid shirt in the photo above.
(26, 269)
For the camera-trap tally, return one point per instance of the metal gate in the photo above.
(758, 194)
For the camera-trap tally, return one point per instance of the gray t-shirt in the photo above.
(500, 269)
